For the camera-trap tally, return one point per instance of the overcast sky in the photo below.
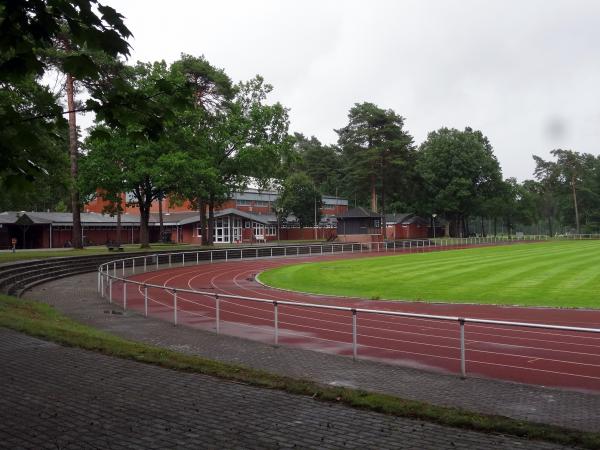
(525, 73)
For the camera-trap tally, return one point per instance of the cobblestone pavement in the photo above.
(59, 397)
(76, 297)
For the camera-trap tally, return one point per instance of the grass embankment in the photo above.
(560, 274)
(43, 321)
(19, 255)
(88, 251)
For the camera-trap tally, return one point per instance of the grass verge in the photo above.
(40, 320)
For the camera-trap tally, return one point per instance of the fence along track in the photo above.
(115, 272)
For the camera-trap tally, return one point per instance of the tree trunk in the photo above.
(161, 227)
(373, 195)
(144, 219)
(383, 224)
(76, 240)
(119, 225)
(211, 221)
(575, 204)
(203, 227)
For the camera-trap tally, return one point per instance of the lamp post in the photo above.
(279, 210)
(434, 215)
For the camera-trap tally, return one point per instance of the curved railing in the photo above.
(384, 334)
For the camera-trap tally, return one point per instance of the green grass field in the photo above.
(565, 274)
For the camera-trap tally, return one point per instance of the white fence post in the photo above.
(276, 322)
(354, 335)
(146, 301)
(463, 370)
(124, 295)
(217, 313)
(175, 306)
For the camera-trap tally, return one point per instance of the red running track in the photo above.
(537, 356)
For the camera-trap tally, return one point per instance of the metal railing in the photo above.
(113, 274)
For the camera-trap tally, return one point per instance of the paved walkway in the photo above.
(59, 397)
(77, 298)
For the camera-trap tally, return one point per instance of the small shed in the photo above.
(406, 226)
(359, 225)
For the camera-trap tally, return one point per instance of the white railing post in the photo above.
(115, 269)
(133, 265)
(110, 282)
(226, 255)
(156, 261)
(102, 285)
(99, 280)
(183, 259)
(124, 295)
(145, 300)
(175, 306)
(145, 263)
(354, 335)
(123, 267)
(276, 322)
(211, 256)
(463, 370)
(217, 314)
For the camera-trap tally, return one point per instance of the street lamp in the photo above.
(434, 215)
(279, 210)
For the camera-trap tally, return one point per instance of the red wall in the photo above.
(411, 231)
(92, 237)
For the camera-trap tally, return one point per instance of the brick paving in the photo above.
(61, 398)
(76, 297)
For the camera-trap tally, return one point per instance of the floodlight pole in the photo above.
(434, 215)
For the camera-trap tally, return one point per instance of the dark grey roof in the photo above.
(359, 212)
(192, 217)
(397, 217)
(261, 218)
(63, 218)
(176, 218)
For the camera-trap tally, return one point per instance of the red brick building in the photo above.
(248, 217)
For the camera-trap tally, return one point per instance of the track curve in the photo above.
(545, 357)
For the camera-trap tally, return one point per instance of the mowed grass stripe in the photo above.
(565, 274)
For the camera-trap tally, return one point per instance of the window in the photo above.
(261, 203)
(241, 202)
(236, 229)
(271, 230)
(259, 229)
(376, 223)
(221, 231)
(247, 224)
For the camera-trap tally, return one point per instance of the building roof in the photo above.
(357, 213)
(397, 217)
(96, 219)
(62, 218)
